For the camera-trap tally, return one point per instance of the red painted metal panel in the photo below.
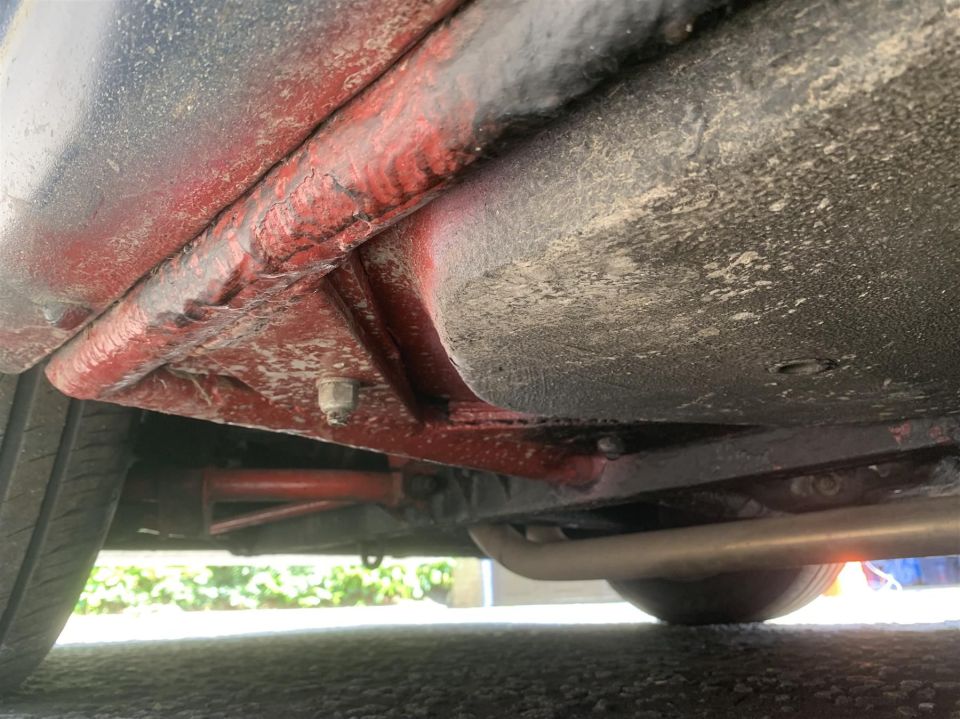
(498, 447)
(378, 159)
(241, 325)
(313, 336)
(128, 126)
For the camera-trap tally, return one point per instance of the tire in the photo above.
(734, 598)
(62, 463)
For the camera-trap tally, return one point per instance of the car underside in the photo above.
(652, 291)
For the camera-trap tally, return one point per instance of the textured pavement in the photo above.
(638, 671)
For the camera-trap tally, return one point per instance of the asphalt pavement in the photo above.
(642, 671)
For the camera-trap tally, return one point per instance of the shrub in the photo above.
(112, 589)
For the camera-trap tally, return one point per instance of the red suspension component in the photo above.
(185, 499)
(269, 515)
(296, 485)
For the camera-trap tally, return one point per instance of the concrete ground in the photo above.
(534, 662)
(926, 606)
(641, 671)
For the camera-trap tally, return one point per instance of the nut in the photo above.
(828, 485)
(338, 398)
(611, 447)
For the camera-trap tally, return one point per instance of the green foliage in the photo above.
(112, 590)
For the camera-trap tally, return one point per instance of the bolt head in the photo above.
(338, 399)
(801, 486)
(610, 446)
(828, 485)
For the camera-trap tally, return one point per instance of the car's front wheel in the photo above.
(62, 463)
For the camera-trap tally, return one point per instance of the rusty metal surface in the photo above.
(241, 325)
(777, 197)
(127, 127)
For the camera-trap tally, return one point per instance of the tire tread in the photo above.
(62, 462)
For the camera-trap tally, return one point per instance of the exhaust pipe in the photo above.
(914, 528)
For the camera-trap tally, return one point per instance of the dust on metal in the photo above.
(376, 160)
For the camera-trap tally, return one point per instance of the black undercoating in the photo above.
(760, 228)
